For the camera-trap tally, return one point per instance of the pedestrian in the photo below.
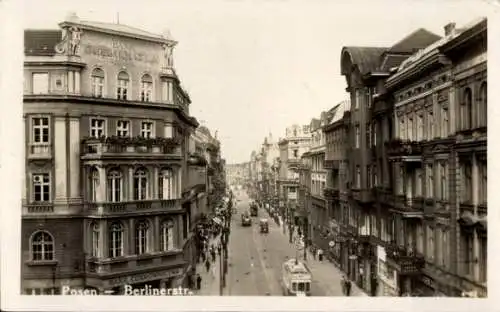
(203, 256)
(212, 253)
(207, 265)
(213, 271)
(343, 284)
(198, 281)
(320, 255)
(348, 288)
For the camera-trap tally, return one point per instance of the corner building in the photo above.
(107, 126)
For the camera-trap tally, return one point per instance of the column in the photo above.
(178, 191)
(103, 239)
(61, 169)
(101, 191)
(24, 187)
(155, 182)
(130, 188)
(179, 231)
(77, 82)
(131, 237)
(71, 81)
(156, 238)
(397, 131)
(475, 180)
(74, 157)
(452, 109)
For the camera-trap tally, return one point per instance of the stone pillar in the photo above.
(131, 237)
(156, 238)
(77, 82)
(475, 182)
(101, 191)
(71, 80)
(130, 188)
(61, 169)
(179, 230)
(103, 239)
(24, 187)
(155, 183)
(178, 192)
(452, 110)
(74, 157)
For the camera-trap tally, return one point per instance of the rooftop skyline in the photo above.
(275, 61)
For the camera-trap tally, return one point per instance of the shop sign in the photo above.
(144, 277)
(118, 53)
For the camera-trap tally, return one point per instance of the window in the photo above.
(295, 153)
(483, 182)
(97, 127)
(410, 128)
(97, 83)
(146, 88)
(147, 129)
(167, 91)
(483, 106)
(167, 235)
(357, 143)
(140, 184)
(123, 128)
(375, 176)
(305, 129)
(420, 239)
(94, 184)
(116, 240)
(419, 183)
(95, 240)
(42, 246)
(114, 186)
(483, 259)
(430, 244)
(294, 132)
(466, 110)
(430, 181)
(368, 135)
(40, 83)
(430, 125)
(420, 127)
(41, 187)
(166, 184)
(40, 130)
(466, 196)
(169, 131)
(444, 122)
(141, 237)
(375, 134)
(402, 128)
(122, 88)
(358, 177)
(369, 176)
(439, 246)
(443, 181)
(445, 246)
(357, 99)
(468, 253)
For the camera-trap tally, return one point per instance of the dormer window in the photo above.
(122, 88)
(146, 88)
(97, 83)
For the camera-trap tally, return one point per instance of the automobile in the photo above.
(245, 219)
(264, 226)
(254, 212)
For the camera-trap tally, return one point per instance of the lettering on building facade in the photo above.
(119, 52)
(138, 278)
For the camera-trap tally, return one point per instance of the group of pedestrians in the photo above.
(346, 286)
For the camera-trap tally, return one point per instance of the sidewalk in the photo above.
(327, 274)
(210, 282)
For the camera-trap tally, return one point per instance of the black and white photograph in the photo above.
(247, 151)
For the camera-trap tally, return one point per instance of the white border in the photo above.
(11, 57)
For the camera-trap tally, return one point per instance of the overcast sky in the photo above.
(254, 67)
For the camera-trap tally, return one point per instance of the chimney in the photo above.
(449, 29)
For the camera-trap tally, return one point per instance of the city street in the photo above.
(255, 260)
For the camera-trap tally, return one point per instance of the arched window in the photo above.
(98, 82)
(483, 103)
(146, 88)
(466, 110)
(94, 184)
(140, 184)
(122, 87)
(166, 184)
(95, 239)
(42, 246)
(116, 240)
(167, 235)
(114, 186)
(141, 237)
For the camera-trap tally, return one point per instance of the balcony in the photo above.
(133, 207)
(363, 195)
(293, 163)
(130, 148)
(38, 209)
(382, 194)
(40, 151)
(399, 148)
(406, 262)
(41, 208)
(409, 207)
(129, 264)
(197, 160)
(331, 193)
